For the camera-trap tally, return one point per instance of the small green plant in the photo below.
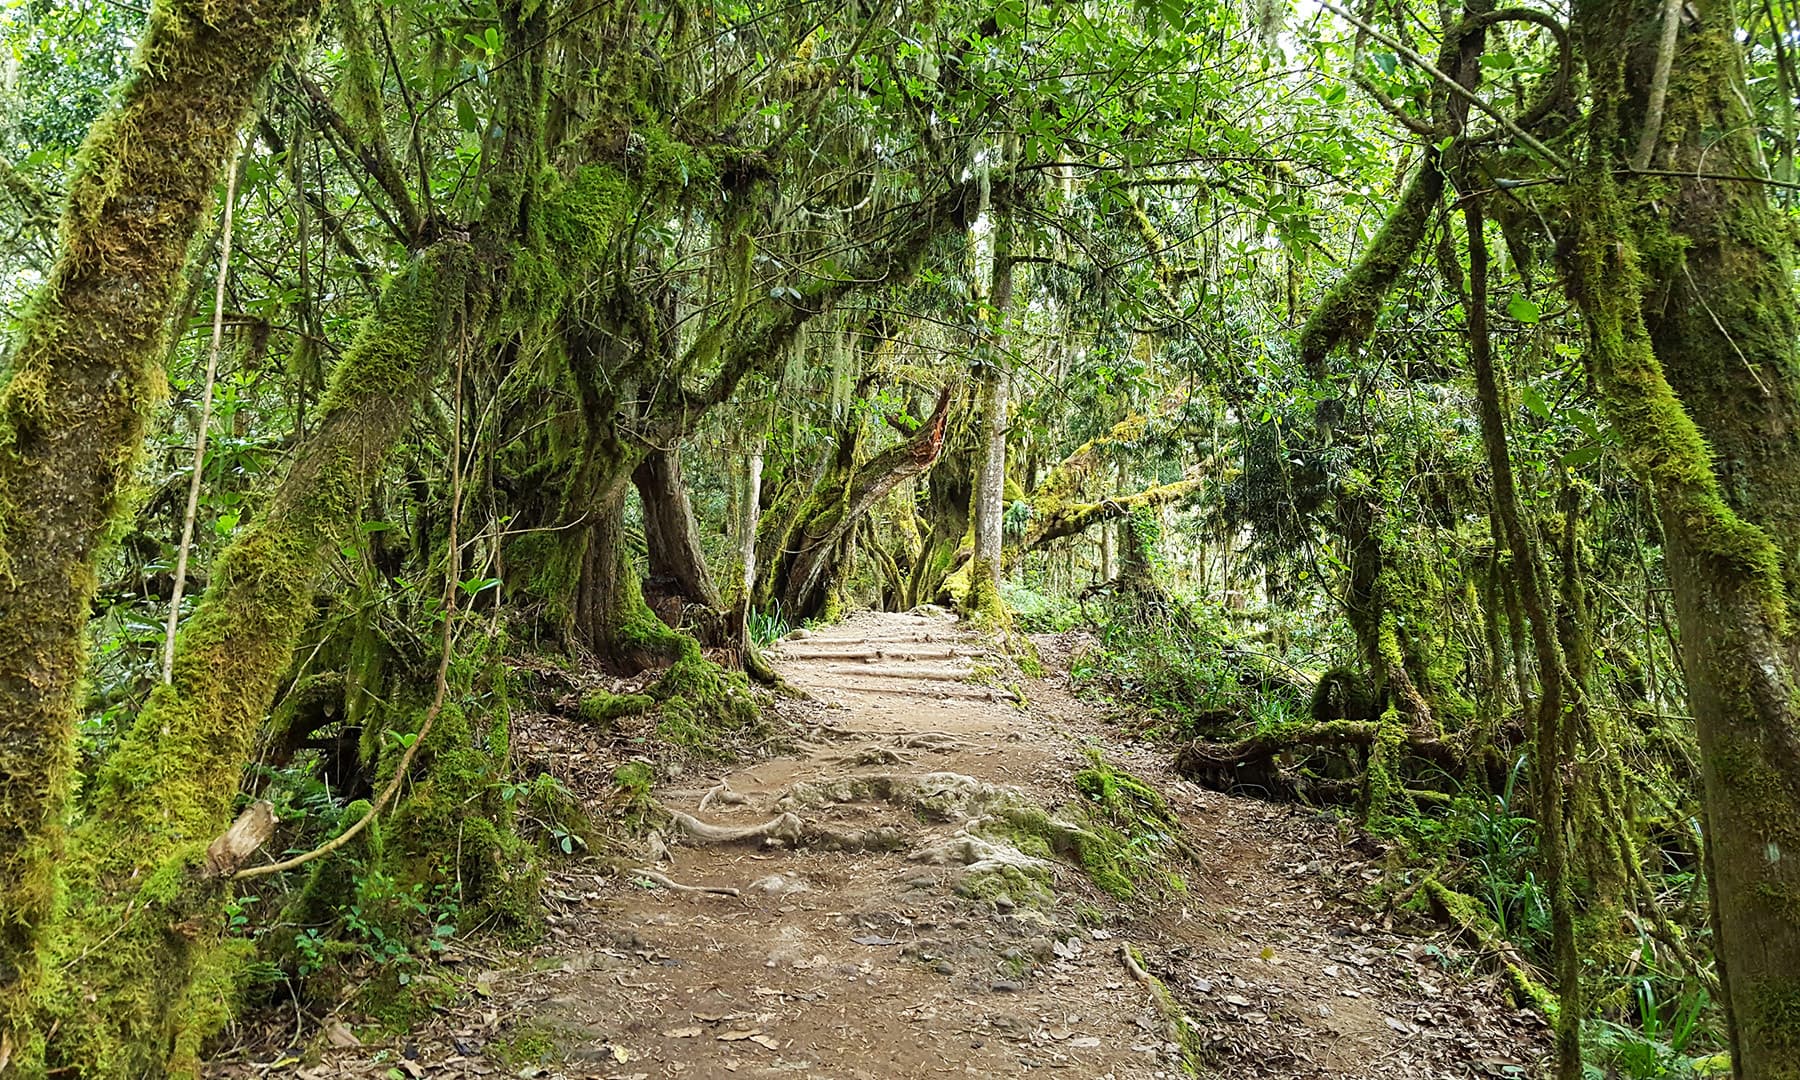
(546, 806)
(1505, 844)
(767, 627)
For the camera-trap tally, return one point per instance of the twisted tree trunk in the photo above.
(670, 533)
(802, 567)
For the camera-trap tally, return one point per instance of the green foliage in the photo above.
(1191, 673)
(616, 248)
(767, 627)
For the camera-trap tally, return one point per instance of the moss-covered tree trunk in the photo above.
(135, 877)
(1687, 289)
(671, 535)
(611, 613)
(806, 549)
(84, 373)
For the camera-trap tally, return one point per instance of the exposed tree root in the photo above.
(937, 742)
(976, 854)
(991, 870)
(676, 886)
(787, 828)
(1181, 1028)
(1268, 761)
(722, 794)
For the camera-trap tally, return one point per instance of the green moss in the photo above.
(701, 704)
(453, 830)
(1472, 920)
(87, 359)
(1388, 802)
(980, 601)
(213, 996)
(525, 1046)
(1774, 1021)
(1120, 834)
(398, 1005)
(1009, 886)
(602, 707)
(633, 783)
(331, 881)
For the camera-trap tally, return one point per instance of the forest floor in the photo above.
(859, 963)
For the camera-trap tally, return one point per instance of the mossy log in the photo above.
(1064, 519)
(85, 372)
(1479, 931)
(1266, 760)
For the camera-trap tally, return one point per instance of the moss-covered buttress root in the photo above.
(84, 374)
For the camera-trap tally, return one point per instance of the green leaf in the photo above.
(1534, 401)
(1522, 309)
(1581, 455)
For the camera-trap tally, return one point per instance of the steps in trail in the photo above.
(939, 691)
(891, 653)
(825, 951)
(876, 670)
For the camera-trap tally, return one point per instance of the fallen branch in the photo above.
(676, 886)
(252, 829)
(1474, 926)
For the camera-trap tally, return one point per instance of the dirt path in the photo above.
(868, 962)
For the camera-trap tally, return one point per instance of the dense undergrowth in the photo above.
(1467, 856)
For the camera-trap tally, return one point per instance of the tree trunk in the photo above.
(1109, 551)
(807, 564)
(670, 533)
(1687, 290)
(85, 371)
(752, 515)
(170, 786)
(988, 509)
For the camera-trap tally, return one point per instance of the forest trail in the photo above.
(867, 963)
